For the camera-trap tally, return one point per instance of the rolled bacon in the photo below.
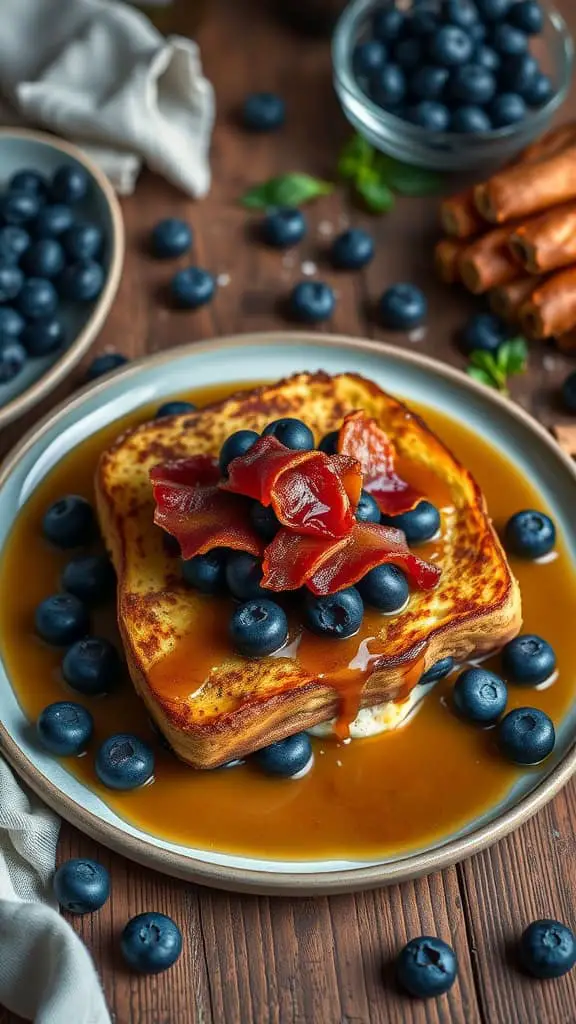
(446, 256)
(488, 262)
(506, 299)
(548, 241)
(528, 188)
(551, 309)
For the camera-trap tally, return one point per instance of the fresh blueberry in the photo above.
(485, 57)
(528, 660)
(336, 615)
(461, 13)
(11, 281)
(81, 886)
(19, 207)
(480, 696)
(569, 392)
(539, 91)
(83, 241)
(234, 446)
(369, 57)
(60, 620)
(151, 943)
(529, 534)
(451, 46)
(292, 433)
(244, 576)
(283, 227)
(423, 22)
(312, 301)
(105, 363)
(419, 524)
(124, 762)
(388, 86)
(37, 298)
(471, 83)
(388, 24)
(403, 307)
(13, 243)
(509, 41)
(483, 332)
(89, 577)
(92, 666)
(426, 967)
(438, 671)
(493, 10)
(478, 32)
(170, 238)
(469, 119)
(11, 323)
(527, 15)
(264, 521)
(53, 220)
(547, 948)
(65, 728)
(69, 522)
(329, 443)
(176, 408)
(263, 112)
(69, 184)
(42, 337)
(429, 82)
(206, 573)
(258, 627)
(12, 359)
(519, 72)
(192, 287)
(82, 281)
(28, 181)
(408, 53)
(367, 510)
(286, 758)
(352, 250)
(44, 258)
(526, 736)
(385, 588)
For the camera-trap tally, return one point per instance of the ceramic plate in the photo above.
(248, 358)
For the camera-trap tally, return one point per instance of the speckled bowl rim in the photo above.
(238, 879)
(73, 354)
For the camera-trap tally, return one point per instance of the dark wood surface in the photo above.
(251, 960)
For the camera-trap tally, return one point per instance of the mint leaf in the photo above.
(287, 190)
(513, 356)
(356, 154)
(484, 361)
(375, 193)
(409, 180)
(480, 375)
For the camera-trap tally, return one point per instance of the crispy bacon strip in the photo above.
(291, 558)
(255, 473)
(362, 438)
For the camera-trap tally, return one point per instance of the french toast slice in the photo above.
(213, 706)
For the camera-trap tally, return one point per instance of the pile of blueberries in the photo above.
(455, 65)
(48, 256)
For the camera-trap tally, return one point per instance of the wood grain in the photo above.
(254, 960)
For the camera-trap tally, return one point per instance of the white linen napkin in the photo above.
(46, 973)
(100, 74)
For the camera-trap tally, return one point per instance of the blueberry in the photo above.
(352, 250)
(419, 524)
(192, 287)
(44, 258)
(258, 627)
(426, 967)
(53, 220)
(81, 886)
(451, 46)
(483, 332)
(175, 408)
(170, 238)
(423, 22)
(385, 588)
(65, 728)
(244, 576)
(264, 521)
(82, 281)
(283, 227)
(19, 207)
(519, 72)
(292, 433)
(69, 184)
(263, 112)
(13, 243)
(526, 736)
(469, 119)
(429, 82)
(83, 241)
(367, 510)
(105, 363)
(286, 758)
(206, 573)
(12, 359)
(539, 92)
(89, 577)
(69, 522)
(92, 666)
(234, 446)
(336, 615)
(408, 53)
(480, 696)
(527, 15)
(509, 41)
(151, 943)
(329, 443)
(478, 32)
(569, 392)
(547, 948)
(486, 57)
(461, 13)
(388, 86)
(11, 281)
(28, 181)
(471, 83)
(493, 10)
(60, 620)
(43, 337)
(388, 24)
(403, 307)
(528, 660)
(529, 534)
(438, 671)
(11, 323)
(312, 301)
(369, 57)
(124, 762)
(37, 298)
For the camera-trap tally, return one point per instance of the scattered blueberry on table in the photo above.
(283, 227)
(103, 364)
(426, 967)
(61, 619)
(263, 112)
(65, 728)
(292, 433)
(124, 762)
(81, 886)
(480, 696)
(286, 758)
(419, 524)
(151, 943)
(526, 736)
(92, 666)
(69, 522)
(385, 588)
(528, 660)
(337, 615)
(484, 332)
(403, 307)
(192, 287)
(170, 238)
(529, 534)
(258, 627)
(312, 301)
(352, 250)
(547, 949)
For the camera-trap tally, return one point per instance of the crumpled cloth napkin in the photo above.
(46, 973)
(101, 75)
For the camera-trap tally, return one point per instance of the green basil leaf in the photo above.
(356, 154)
(409, 180)
(287, 190)
(375, 193)
(480, 375)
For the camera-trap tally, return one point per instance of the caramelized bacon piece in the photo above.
(364, 440)
(255, 473)
(291, 558)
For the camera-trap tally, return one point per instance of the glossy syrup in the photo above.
(391, 793)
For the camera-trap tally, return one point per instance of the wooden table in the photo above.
(250, 960)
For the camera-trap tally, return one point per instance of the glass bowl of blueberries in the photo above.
(451, 84)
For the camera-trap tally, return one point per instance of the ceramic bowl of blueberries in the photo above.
(451, 85)
(61, 256)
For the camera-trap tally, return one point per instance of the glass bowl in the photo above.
(445, 151)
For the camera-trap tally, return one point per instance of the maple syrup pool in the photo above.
(386, 795)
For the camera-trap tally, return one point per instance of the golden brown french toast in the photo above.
(213, 706)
